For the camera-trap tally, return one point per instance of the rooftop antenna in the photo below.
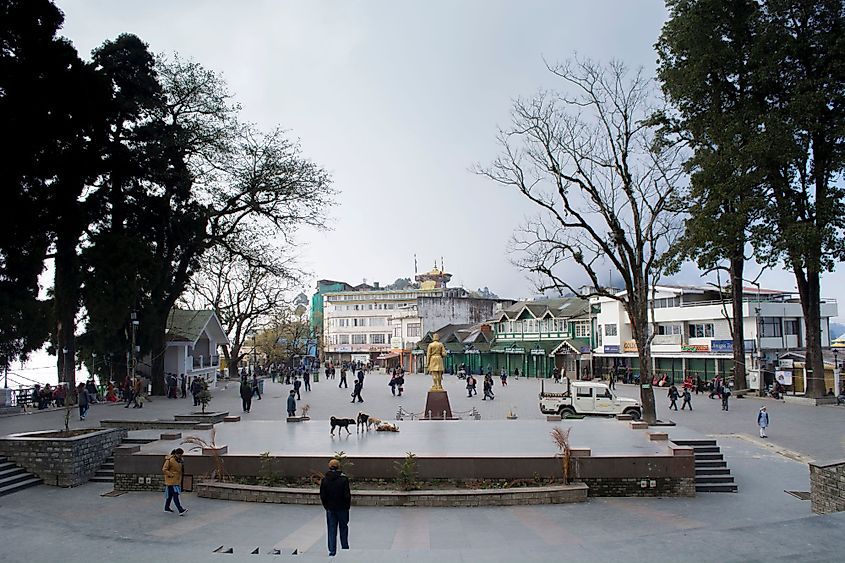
(415, 264)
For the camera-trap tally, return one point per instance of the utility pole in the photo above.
(133, 358)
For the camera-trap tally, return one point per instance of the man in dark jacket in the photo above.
(246, 394)
(336, 498)
(356, 391)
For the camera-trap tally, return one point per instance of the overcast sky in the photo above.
(398, 100)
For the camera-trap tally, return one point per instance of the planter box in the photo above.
(212, 417)
(63, 461)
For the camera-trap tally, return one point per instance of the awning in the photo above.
(387, 356)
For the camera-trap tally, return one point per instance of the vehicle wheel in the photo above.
(566, 412)
(635, 414)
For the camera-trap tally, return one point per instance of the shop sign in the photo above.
(722, 345)
(418, 352)
(784, 377)
(786, 364)
(343, 348)
(538, 352)
(728, 345)
(514, 350)
(360, 358)
(629, 346)
(586, 349)
(695, 348)
(472, 351)
(609, 349)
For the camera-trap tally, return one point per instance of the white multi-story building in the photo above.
(371, 323)
(693, 336)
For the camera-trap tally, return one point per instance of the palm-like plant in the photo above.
(561, 440)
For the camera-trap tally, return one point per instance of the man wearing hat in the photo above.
(336, 498)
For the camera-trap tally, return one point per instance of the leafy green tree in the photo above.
(707, 60)
(50, 109)
(803, 158)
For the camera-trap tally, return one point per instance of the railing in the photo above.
(215, 361)
(788, 298)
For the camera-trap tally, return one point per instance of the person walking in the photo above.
(172, 469)
(336, 498)
(196, 389)
(307, 379)
(763, 421)
(488, 388)
(356, 391)
(400, 382)
(504, 377)
(343, 379)
(392, 383)
(726, 393)
(84, 400)
(256, 390)
(470, 385)
(361, 377)
(673, 397)
(292, 403)
(687, 396)
(246, 395)
(297, 385)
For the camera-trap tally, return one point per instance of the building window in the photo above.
(397, 332)
(791, 328)
(343, 339)
(581, 329)
(668, 329)
(359, 339)
(610, 330)
(377, 338)
(413, 330)
(770, 327)
(598, 335)
(378, 321)
(530, 326)
(704, 330)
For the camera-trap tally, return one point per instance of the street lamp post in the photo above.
(836, 383)
(254, 360)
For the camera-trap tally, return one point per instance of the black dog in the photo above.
(342, 423)
(362, 421)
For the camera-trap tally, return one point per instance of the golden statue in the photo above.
(435, 352)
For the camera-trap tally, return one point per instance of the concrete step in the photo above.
(700, 472)
(20, 485)
(137, 440)
(710, 479)
(96, 479)
(14, 470)
(716, 488)
(708, 457)
(104, 473)
(706, 449)
(694, 443)
(107, 465)
(7, 465)
(17, 478)
(706, 464)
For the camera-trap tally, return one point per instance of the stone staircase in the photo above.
(14, 478)
(105, 474)
(712, 474)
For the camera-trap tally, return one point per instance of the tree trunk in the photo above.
(158, 349)
(233, 362)
(638, 314)
(737, 267)
(809, 290)
(66, 303)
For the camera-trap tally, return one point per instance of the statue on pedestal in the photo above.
(434, 364)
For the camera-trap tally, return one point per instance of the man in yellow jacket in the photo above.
(172, 470)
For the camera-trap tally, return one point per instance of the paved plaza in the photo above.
(759, 523)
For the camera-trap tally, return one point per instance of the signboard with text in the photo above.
(695, 348)
(611, 348)
(629, 346)
(784, 377)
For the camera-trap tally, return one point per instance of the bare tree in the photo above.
(602, 179)
(246, 294)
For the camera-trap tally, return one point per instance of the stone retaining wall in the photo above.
(623, 476)
(576, 492)
(827, 487)
(63, 462)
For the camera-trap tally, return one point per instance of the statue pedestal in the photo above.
(437, 403)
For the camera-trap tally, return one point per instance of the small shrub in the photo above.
(406, 473)
(204, 396)
(266, 475)
(345, 463)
